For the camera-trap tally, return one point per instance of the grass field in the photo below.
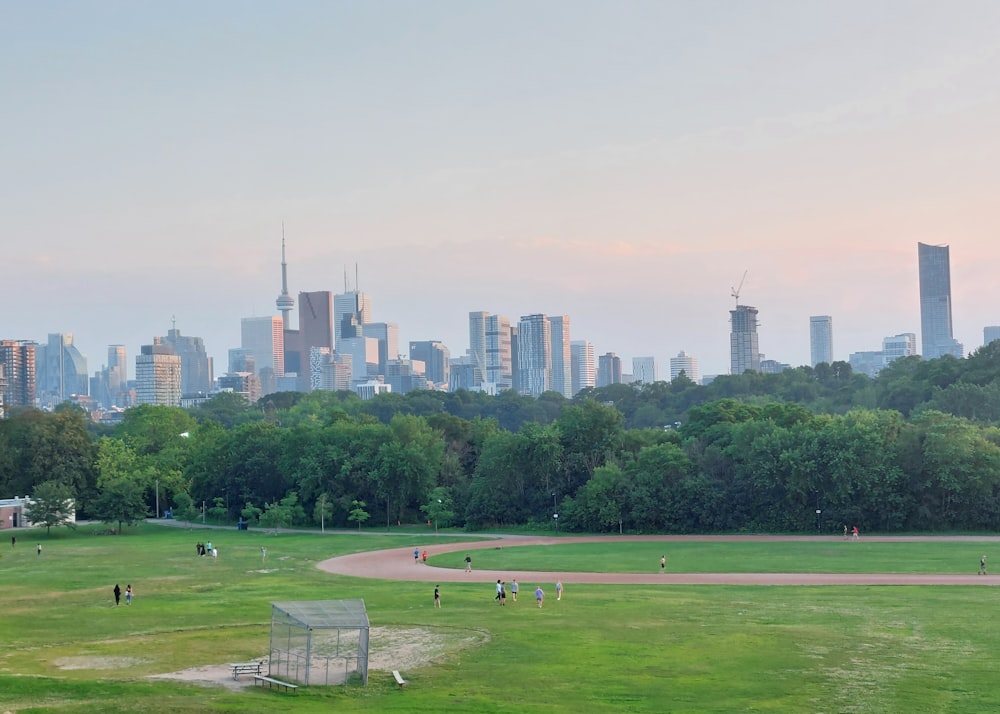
(618, 648)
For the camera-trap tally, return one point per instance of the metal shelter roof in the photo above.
(326, 614)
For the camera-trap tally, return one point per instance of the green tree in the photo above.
(358, 513)
(439, 508)
(51, 505)
(323, 510)
(122, 502)
(184, 508)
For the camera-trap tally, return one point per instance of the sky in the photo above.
(625, 163)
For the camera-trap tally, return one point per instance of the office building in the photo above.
(687, 364)
(991, 334)
(436, 359)
(246, 384)
(363, 352)
(584, 369)
(387, 334)
(820, 339)
(609, 369)
(904, 345)
(158, 375)
(196, 366)
(61, 371)
(744, 350)
(264, 337)
(936, 336)
(351, 310)
(644, 370)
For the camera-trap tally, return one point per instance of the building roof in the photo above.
(326, 614)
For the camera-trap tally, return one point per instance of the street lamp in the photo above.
(818, 512)
(555, 517)
(436, 516)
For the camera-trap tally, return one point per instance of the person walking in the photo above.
(982, 565)
(499, 588)
(38, 549)
(13, 541)
(437, 596)
(128, 594)
(118, 595)
(663, 563)
(513, 589)
(539, 595)
(263, 553)
(503, 594)
(845, 531)
(468, 563)
(559, 590)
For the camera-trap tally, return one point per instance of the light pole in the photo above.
(555, 517)
(157, 498)
(203, 513)
(437, 515)
(818, 513)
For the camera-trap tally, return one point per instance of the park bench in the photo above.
(271, 681)
(244, 668)
(399, 678)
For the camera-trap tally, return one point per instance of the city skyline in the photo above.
(623, 165)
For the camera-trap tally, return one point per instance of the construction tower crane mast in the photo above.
(736, 290)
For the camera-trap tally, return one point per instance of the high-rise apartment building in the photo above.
(158, 375)
(609, 369)
(18, 365)
(584, 372)
(687, 364)
(534, 355)
(821, 339)
(904, 345)
(477, 344)
(499, 352)
(436, 359)
(744, 350)
(562, 364)
(644, 370)
(936, 336)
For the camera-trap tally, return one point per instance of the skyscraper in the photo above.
(584, 370)
(61, 370)
(936, 336)
(196, 365)
(644, 370)
(991, 333)
(744, 351)
(609, 369)
(821, 339)
(687, 364)
(387, 334)
(562, 365)
(436, 359)
(477, 344)
(534, 355)
(351, 309)
(265, 338)
(499, 352)
(158, 375)
(17, 364)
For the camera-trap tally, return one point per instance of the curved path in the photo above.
(397, 564)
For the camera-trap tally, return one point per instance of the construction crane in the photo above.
(736, 290)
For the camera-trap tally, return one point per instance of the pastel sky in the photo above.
(620, 162)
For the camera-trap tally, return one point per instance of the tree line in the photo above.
(917, 448)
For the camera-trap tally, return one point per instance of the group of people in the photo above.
(118, 594)
(417, 555)
(207, 549)
(854, 532)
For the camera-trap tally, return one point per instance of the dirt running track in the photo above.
(397, 564)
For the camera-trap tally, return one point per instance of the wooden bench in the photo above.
(399, 678)
(271, 681)
(244, 668)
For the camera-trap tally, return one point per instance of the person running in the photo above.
(423, 557)
(128, 594)
(437, 596)
(856, 533)
(416, 555)
(468, 563)
(982, 565)
(118, 595)
(539, 595)
(663, 563)
(559, 590)
(513, 589)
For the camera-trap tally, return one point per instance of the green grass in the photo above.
(819, 556)
(607, 648)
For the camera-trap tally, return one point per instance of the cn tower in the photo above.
(285, 302)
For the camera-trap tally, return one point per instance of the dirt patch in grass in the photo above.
(390, 648)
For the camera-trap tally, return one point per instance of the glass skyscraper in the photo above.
(936, 337)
